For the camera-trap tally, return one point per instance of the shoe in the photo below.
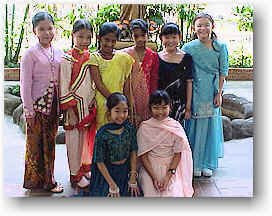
(83, 183)
(197, 173)
(207, 172)
(88, 175)
(57, 189)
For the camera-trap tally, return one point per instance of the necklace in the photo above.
(50, 59)
(140, 56)
(107, 57)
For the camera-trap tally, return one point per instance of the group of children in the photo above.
(123, 111)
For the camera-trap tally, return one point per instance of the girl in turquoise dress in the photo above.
(114, 159)
(204, 128)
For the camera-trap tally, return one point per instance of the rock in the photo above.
(6, 89)
(11, 102)
(17, 114)
(22, 123)
(60, 139)
(242, 128)
(236, 107)
(227, 128)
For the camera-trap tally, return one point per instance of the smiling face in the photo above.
(203, 28)
(160, 111)
(107, 42)
(82, 38)
(170, 41)
(119, 113)
(139, 37)
(45, 32)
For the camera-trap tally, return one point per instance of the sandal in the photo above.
(83, 183)
(57, 189)
(88, 175)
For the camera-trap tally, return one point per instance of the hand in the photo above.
(114, 187)
(30, 121)
(187, 114)
(157, 184)
(217, 100)
(133, 188)
(165, 182)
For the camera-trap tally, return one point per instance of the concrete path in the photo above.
(234, 178)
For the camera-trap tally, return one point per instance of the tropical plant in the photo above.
(245, 17)
(241, 58)
(186, 14)
(12, 50)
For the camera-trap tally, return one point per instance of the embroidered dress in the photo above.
(173, 78)
(143, 81)
(39, 90)
(78, 105)
(110, 147)
(160, 140)
(204, 129)
(114, 74)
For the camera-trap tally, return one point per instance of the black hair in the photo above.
(158, 97)
(81, 24)
(208, 16)
(170, 28)
(109, 27)
(138, 24)
(114, 99)
(40, 16)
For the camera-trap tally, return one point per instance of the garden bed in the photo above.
(242, 74)
(12, 74)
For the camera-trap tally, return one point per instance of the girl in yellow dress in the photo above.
(110, 69)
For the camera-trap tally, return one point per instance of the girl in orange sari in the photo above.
(144, 77)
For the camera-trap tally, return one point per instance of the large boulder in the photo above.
(7, 89)
(17, 114)
(242, 128)
(11, 102)
(60, 139)
(236, 107)
(227, 128)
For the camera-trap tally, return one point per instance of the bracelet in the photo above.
(133, 172)
(115, 191)
(133, 185)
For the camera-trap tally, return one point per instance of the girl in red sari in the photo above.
(144, 77)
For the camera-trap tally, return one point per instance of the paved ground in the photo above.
(234, 178)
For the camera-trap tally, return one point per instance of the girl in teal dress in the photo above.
(204, 128)
(114, 159)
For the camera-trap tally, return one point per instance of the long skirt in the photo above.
(119, 173)
(206, 141)
(40, 151)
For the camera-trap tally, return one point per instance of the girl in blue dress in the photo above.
(204, 128)
(114, 159)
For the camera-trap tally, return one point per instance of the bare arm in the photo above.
(188, 99)
(175, 161)
(104, 171)
(133, 159)
(147, 165)
(173, 165)
(98, 81)
(221, 84)
(218, 96)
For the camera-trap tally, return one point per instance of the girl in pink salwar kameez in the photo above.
(166, 159)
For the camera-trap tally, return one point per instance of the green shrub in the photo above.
(240, 59)
(15, 90)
